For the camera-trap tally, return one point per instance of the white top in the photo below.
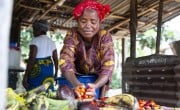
(45, 46)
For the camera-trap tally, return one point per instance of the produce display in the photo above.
(41, 98)
(122, 100)
(148, 105)
(37, 99)
(87, 106)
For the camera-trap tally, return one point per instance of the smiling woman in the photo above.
(88, 24)
(88, 49)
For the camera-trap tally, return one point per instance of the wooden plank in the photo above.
(59, 3)
(30, 7)
(177, 0)
(147, 9)
(164, 68)
(154, 20)
(68, 20)
(122, 5)
(116, 16)
(153, 84)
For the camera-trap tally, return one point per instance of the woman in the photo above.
(88, 49)
(40, 64)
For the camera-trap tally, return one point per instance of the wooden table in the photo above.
(12, 76)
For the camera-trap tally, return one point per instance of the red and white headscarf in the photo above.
(101, 9)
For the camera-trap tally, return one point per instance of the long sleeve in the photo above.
(106, 54)
(67, 57)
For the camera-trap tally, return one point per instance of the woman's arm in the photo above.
(55, 60)
(31, 61)
(67, 58)
(107, 60)
(32, 57)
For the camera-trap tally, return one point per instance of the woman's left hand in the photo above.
(91, 90)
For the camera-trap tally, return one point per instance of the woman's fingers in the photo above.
(91, 90)
(85, 93)
(88, 100)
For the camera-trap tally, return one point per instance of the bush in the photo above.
(116, 81)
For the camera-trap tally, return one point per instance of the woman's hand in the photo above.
(91, 90)
(79, 90)
(86, 93)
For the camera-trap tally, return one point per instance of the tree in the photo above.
(147, 40)
(25, 38)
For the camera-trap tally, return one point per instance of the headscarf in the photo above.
(41, 25)
(101, 9)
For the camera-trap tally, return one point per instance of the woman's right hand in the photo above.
(78, 89)
(84, 94)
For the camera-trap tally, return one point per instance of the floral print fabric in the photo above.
(97, 59)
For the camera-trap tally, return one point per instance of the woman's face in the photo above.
(88, 24)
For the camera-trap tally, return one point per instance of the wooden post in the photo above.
(123, 51)
(123, 57)
(5, 21)
(15, 31)
(132, 27)
(158, 38)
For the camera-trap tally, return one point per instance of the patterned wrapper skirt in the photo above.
(41, 73)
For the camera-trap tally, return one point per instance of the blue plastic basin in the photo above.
(85, 79)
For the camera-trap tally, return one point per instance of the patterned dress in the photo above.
(43, 69)
(97, 59)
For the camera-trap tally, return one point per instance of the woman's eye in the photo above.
(83, 21)
(93, 22)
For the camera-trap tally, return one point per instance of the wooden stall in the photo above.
(154, 77)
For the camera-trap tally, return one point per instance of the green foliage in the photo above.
(116, 76)
(117, 46)
(26, 36)
(58, 37)
(116, 81)
(147, 40)
(167, 35)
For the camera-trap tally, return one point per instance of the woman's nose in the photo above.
(88, 24)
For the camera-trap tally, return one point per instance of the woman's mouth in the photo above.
(87, 32)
